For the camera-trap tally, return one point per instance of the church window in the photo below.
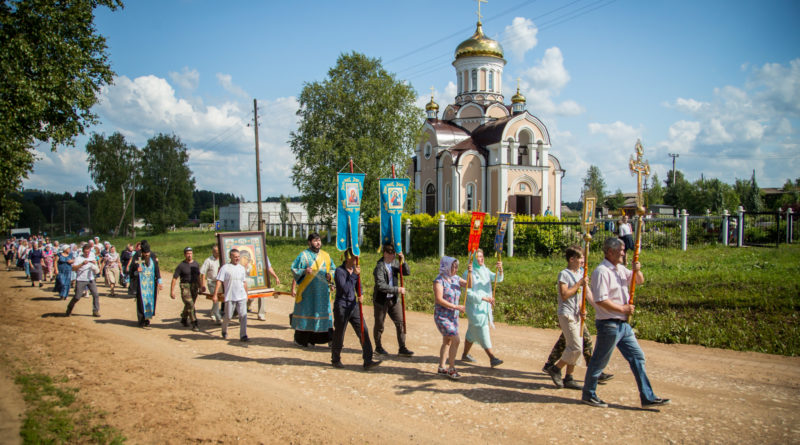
(428, 150)
(470, 197)
(491, 80)
(474, 80)
(430, 199)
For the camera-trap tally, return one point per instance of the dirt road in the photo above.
(167, 384)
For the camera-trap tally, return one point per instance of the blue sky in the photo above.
(717, 82)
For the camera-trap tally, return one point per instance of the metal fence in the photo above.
(767, 229)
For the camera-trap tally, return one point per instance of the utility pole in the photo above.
(258, 168)
(88, 210)
(213, 211)
(673, 156)
(133, 207)
(64, 208)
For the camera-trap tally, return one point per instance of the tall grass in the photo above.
(734, 298)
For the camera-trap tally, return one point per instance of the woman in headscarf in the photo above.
(63, 280)
(112, 267)
(447, 291)
(48, 257)
(479, 305)
(35, 263)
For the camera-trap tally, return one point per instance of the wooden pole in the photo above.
(587, 238)
(402, 280)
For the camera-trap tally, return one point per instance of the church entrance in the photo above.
(525, 204)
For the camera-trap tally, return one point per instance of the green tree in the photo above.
(114, 166)
(615, 201)
(284, 214)
(791, 196)
(593, 181)
(359, 111)
(207, 215)
(679, 194)
(54, 64)
(655, 194)
(165, 194)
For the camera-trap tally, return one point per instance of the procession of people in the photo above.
(328, 299)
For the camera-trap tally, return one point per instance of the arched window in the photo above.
(427, 151)
(474, 80)
(470, 197)
(491, 80)
(430, 199)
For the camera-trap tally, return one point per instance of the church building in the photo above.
(482, 154)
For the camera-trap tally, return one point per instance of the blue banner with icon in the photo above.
(500, 235)
(393, 199)
(348, 210)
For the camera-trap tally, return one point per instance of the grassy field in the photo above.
(733, 298)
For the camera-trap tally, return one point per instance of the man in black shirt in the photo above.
(345, 310)
(188, 271)
(125, 258)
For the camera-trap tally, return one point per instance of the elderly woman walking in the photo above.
(64, 277)
(447, 291)
(479, 303)
(112, 268)
(35, 263)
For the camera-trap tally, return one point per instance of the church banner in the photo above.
(500, 235)
(475, 230)
(393, 198)
(348, 210)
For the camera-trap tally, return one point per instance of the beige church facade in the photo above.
(482, 154)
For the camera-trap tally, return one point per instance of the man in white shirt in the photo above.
(208, 277)
(85, 279)
(234, 277)
(611, 300)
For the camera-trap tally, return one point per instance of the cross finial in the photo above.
(639, 167)
(432, 90)
(479, 8)
(518, 79)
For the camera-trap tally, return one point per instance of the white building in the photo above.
(243, 216)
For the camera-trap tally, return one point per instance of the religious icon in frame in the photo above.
(252, 255)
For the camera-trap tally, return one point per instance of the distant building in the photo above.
(243, 216)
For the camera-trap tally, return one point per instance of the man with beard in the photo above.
(146, 282)
(312, 319)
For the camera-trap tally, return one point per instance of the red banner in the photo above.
(475, 230)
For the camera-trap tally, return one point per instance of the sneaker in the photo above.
(95, 314)
(452, 374)
(184, 321)
(405, 352)
(337, 365)
(596, 402)
(244, 339)
(570, 383)
(468, 358)
(555, 374)
(371, 364)
(224, 335)
(603, 378)
(381, 351)
(546, 366)
(495, 362)
(656, 402)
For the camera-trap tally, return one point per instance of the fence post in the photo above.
(408, 236)
(724, 228)
(330, 227)
(510, 236)
(740, 228)
(361, 232)
(441, 236)
(684, 228)
(789, 225)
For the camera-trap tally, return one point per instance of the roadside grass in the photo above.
(734, 298)
(54, 415)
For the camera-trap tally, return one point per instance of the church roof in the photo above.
(479, 45)
(448, 133)
(491, 132)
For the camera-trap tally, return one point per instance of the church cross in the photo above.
(479, 8)
(639, 167)
(432, 90)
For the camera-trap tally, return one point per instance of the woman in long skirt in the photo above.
(447, 291)
(112, 267)
(35, 263)
(63, 279)
(48, 261)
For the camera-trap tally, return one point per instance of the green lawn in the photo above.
(734, 298)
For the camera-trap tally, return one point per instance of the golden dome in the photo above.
(431, 105)
(518, 98)
(479, 45)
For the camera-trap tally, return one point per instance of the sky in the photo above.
(716, 82)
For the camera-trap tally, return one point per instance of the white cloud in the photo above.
(544, 81)
(549, 74)
(226, 81)
(186, 79)
(520, 37)
(442, 98)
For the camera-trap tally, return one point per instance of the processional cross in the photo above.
(639, 167)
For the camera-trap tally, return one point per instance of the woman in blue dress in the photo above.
(63, 280)
(447, 291)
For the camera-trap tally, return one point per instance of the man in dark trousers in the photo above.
(386, 298)
(345, 310)
(188, 272)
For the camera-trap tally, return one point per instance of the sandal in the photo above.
(453, 374)
(441, 371)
